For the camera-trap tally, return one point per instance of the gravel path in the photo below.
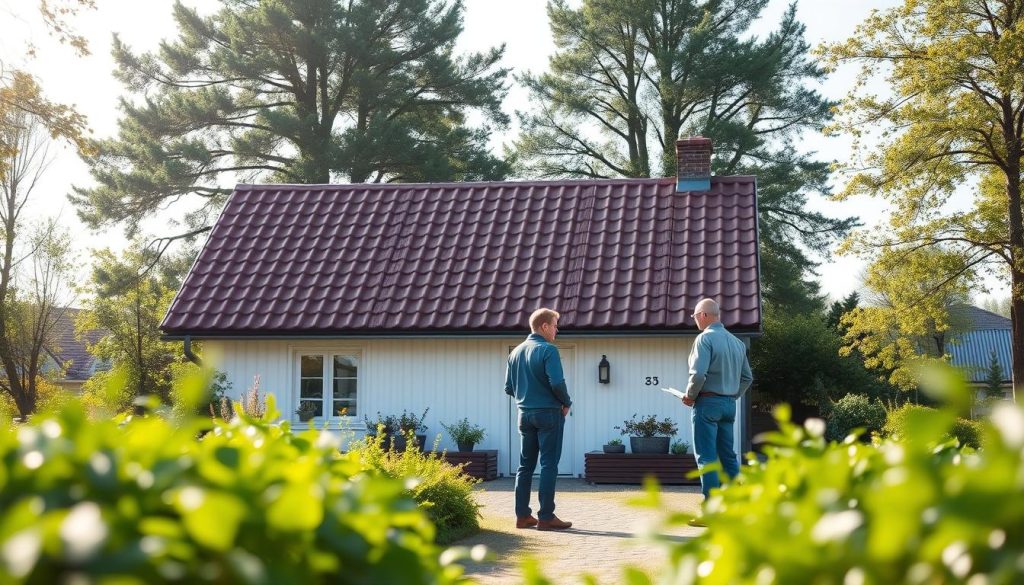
(602, 540)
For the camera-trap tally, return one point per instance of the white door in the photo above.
(566, 465)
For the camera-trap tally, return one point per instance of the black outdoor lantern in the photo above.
(604, 371)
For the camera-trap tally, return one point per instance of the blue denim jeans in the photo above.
(713, 419)
(540, 434)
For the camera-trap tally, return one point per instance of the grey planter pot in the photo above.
(649, 444)
(614, 448)
(466, 447)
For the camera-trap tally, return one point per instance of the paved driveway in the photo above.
(602, 540)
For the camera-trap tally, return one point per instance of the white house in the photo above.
(384, 298)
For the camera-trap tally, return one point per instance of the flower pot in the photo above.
(649, 444)
(614, 448)
(465, 447)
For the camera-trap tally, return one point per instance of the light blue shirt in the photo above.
(718, 363)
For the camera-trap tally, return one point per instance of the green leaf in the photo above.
(296, 508)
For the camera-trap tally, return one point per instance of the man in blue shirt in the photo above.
(534, 378)
(719, 375)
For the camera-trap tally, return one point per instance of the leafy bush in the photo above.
(967, 432)
(648, 426)
(138, 500)
(912, 511)
(441, 489)
(464, 431)
(854, 411)
(614, 441)
(896, 419)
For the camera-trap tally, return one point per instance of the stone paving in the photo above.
(603, 538)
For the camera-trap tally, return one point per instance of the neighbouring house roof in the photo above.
(70, 352)
(980, 318)
(972, 349)
(610, 255)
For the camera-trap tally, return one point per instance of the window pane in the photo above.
(312, 366)
(345, 389)
(348, 406)
(345, 366)
(311, 388)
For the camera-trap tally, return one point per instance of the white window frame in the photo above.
(327, 373)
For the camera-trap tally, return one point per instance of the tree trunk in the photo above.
(1016, 229)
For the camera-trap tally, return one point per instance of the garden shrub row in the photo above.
(913, 509)
(441, 489)
(140, 501)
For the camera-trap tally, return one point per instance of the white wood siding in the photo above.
(464, 378)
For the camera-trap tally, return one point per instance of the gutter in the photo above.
(188, 352)
(441, 335)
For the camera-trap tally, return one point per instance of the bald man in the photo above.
(719, 375)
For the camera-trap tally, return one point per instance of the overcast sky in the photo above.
(520, 24)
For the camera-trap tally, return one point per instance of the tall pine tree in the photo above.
(299, 91)
(630, 76)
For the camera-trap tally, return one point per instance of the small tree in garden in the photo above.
(994, 377)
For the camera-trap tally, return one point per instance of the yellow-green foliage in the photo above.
(965, 431)
(141, 501)
(914, 511)
(948, 119)
(908, 319)
(441, 488)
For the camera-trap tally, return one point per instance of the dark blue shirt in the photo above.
(534, 375)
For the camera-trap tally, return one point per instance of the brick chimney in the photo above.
(693, 164)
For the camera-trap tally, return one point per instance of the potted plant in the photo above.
(306, 410)
(409, 423)
(465, 434)
(680, 447)
(386, 426)
(647, 434)
(614, 446)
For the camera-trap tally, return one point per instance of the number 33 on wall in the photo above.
(651, 381)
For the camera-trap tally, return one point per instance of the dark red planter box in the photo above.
(479, 464)
(633, 467)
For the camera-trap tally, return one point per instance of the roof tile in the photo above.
(362, 259)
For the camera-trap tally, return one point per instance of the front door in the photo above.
(566, 463)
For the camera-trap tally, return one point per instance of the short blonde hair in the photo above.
(542, 316)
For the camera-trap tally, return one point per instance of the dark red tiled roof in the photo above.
(611, 255)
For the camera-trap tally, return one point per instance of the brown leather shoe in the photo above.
(553, 524)
(526, 522)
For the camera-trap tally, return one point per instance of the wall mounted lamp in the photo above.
(604, 371)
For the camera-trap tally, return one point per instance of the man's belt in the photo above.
(710, 393)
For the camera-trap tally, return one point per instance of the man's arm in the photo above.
(508, 380)
(556, 378)
(700, 359)
(746, 376)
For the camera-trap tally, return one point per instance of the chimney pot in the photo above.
(693, 164)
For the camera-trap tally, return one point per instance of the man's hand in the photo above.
(688, 401)
(565, 411)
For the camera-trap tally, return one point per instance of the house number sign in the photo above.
(651, 381)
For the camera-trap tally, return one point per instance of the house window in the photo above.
(330, 382)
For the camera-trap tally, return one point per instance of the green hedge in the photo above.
(912, 511)
(966, 432)
(441, 489)
(142, 501)
(854, 411)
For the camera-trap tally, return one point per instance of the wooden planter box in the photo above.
(633, 467)
(481, 464)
